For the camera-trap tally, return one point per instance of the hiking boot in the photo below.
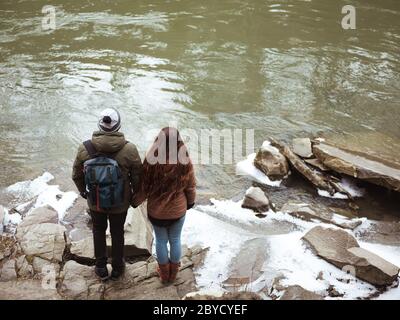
(101, 272)
(173, 271)
(163, 272)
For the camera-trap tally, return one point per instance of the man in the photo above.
(124, 163)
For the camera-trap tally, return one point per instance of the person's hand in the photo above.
(84, 195)
(190, 206)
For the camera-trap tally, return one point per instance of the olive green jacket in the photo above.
(125, 154)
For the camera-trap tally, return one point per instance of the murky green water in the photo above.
(284, 68)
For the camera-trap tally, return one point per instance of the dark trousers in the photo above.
(117, 221)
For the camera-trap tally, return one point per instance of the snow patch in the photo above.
(326, 194)
(300, 266)
(223, 240)
(31, 188)
(348, 185)
(44, 193)
(247, 168)
(14, 218)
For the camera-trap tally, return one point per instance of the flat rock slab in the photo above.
(358, 166)
(342, 250)
(317, 164)
(27, 289)
(299, 293)
(140, 281)
(302, 147)
(246, 266)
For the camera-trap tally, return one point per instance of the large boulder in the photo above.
(359, 165)
(83, 248)
(46, 240)
(271, 162)
(138, 233)
(38, 216)
(79, 282)
(256, 200)
(342, 250)
(302, 147)
(306, 212)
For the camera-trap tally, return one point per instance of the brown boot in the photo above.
(163, 272)
(174, 268)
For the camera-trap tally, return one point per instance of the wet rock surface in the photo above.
(308, 213)
(357, 165)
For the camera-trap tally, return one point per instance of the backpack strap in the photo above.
(90, 148)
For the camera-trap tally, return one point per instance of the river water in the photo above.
(284, 68)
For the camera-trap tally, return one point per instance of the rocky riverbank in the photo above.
(251, 247)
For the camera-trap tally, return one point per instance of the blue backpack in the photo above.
(103, 179)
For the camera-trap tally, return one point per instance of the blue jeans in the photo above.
(171, 234)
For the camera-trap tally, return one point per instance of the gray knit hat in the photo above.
(110, 120)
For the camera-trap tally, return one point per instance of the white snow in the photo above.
(222, 227)
(31, 188)
(247, 168)
(223, 240)
(14, 218)
(46, 194)
(267, 146)
(348, 185)
(326, 194)
(61, 205)
(301, 267)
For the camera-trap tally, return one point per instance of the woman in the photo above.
(168, 184)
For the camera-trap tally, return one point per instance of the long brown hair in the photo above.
(167, 166)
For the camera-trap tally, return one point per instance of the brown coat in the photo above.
(128, 160)
(174, 204)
